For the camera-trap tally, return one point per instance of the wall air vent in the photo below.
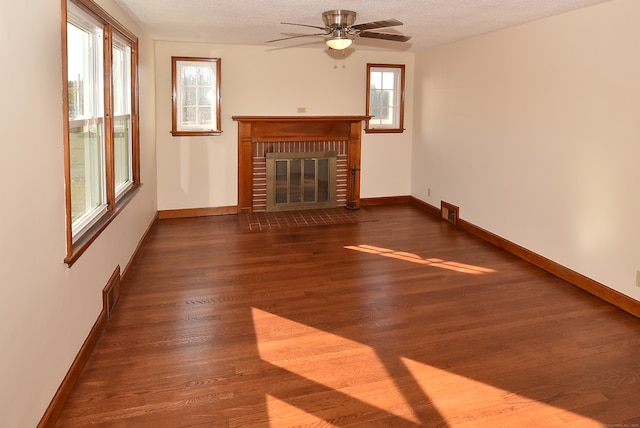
(111, 292)
(449, 212)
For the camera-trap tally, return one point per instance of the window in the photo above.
(101, 133)
(385, 98)
(196, 96)
(122, 149)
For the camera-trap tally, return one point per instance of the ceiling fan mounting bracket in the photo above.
(339, 18)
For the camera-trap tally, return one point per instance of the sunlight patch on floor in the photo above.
(289, 416)
(462, 402)
(364, 379)
(414, 258)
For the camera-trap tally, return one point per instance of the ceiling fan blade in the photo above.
(297, 37)
(377, 24)
(385, 36)
(304, 25)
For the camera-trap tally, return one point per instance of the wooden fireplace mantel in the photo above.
(253, 129)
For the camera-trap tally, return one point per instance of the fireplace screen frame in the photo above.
(271, 161)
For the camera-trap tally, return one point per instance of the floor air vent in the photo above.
(449, 213)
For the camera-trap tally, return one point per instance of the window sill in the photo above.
(195, 133)
(383, 131)
(90, 235)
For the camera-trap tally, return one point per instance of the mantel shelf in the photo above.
(300, 118)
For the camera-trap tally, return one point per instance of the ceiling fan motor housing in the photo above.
(340, 18)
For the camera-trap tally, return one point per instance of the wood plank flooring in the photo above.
(400, 322)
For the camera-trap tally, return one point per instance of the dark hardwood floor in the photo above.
(399, 322)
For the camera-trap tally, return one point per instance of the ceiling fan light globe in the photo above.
(339, 43)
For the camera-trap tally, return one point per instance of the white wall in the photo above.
(201, 172)
(48, 309)
(534, 132)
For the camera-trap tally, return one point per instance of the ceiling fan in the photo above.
(340, 26)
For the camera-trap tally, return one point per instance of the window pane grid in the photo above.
(86, 144)
(384, 103)
(86, 119)
(196, 96)
(122, 148)
(197, 103)
(122, 153)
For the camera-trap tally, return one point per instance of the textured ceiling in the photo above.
(252, 22)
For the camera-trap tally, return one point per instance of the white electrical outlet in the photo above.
(429, 191)
(638, 278)
(302, 109)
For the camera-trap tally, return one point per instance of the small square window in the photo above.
(385, 98)
(196, 96)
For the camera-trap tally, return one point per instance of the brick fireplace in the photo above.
(260, 135)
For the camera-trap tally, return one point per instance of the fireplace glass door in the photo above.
(300, 180)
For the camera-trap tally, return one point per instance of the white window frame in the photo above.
(93, 115)
(122, 111)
